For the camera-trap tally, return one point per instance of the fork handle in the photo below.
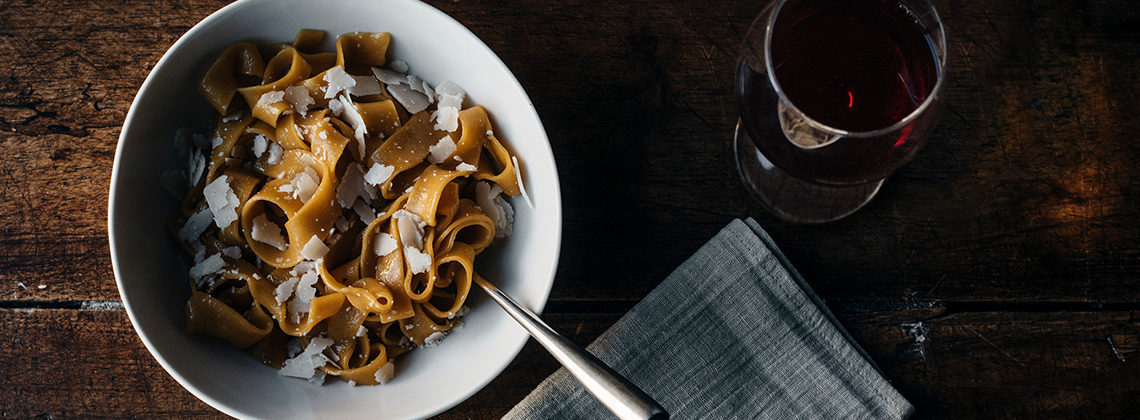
(623, 398)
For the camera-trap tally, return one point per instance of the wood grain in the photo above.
(70, 73)
(83, 364)
(1007, 364)
(1009, 243)
(1025, 189)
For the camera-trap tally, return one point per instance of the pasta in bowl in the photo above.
(307, 277)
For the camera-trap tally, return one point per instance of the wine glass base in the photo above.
(790, 198)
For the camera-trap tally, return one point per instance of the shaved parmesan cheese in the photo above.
(195, 225)
(298, 97)
(412, 93)
(182, 140)
(336, 107)
(305, 184)
(234, 116)
(269, 99)
(366, 215)
(284, 291)
(422, 87)
(390, 77)
(411, 99)
(304, 295)
(378, 174)
(200, 141)
(267, 232)
(446, 118)
(353, 185)
(303, 267)
(366, 85)
(314, 249)
(418, 261)
(352, 116)
(306, 365)
(276, 152)
(450, 94)
(411, 228)
(260, 143)
(209, 266)
(338, 81)
(385, 244)
(518, 178)
(441, 149)
(233, 252)
(434, 339)
(222, 201)
(399, 65)
(196, 167)
(342, 224)
(450, 97)
(199, 251)
(466, 167)
(489, 198)
(385, 373)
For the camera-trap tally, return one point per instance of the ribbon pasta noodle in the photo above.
(335, 213)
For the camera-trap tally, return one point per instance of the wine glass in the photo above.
(834, 96)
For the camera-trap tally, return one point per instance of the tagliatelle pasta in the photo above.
(334, 213)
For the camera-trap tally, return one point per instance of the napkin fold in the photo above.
(733, 333)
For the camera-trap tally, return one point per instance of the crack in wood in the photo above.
(1113, 347)
(995, 346)
(82, 305)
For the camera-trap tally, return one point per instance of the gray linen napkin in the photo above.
(733, 333)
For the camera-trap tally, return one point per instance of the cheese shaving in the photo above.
(305, 184)
(385, 244)
(306, 365)
(364, 211)
(489, 198)
(222, 201)
(379, 174)
(314, 249)
(338, 81)
(298, 97)
(353, 184)
(267, 232)
(441, 150)
(269, 99)
(195, 225)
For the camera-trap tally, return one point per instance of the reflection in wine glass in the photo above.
(835, 95)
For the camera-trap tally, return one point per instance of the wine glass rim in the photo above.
(939, 30)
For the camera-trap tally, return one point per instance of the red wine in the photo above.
(853, 65)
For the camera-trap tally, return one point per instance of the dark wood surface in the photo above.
(997, 275)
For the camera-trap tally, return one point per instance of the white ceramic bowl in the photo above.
(151, 274)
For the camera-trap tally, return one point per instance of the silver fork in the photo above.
(623, 398)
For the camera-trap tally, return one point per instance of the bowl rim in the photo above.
(116, 174)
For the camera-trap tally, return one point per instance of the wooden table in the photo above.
(997, 275)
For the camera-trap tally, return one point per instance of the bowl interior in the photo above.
(151, 274)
